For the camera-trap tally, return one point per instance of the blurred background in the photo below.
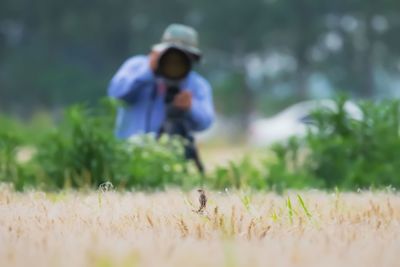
(261, 56)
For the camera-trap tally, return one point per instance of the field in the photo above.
(162, 229)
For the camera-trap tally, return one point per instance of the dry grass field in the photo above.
(236, 229)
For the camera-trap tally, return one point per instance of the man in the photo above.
(145, 82)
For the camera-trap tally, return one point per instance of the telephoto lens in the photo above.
(174, 64)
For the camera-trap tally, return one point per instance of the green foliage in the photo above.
(12, 171)
(286, 170)
(356, 153)
(289, 209)
(152, 163)
(338, 151)
(26, 131)
(9, 169)
(239, 175)
(82, 151)
(304, 207)
(345, 152)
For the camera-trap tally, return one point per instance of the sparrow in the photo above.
(202, 200)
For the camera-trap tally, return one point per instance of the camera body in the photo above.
(175, 122)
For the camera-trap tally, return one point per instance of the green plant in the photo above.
(357, 153)
(11, 170)
(341, 151)
(241, 174)
(152, 163)
(286, 170)
(82, 151)
(303, 205)
(290, 209)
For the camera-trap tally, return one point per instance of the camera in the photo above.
(174, 65)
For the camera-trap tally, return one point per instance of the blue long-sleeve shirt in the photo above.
(143, 93)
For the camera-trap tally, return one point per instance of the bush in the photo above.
(12, 171)
(286, 169)
(83, 152)
(283, 170)
(340, 151)
(242, 174)
(152, 163)
(9, 169)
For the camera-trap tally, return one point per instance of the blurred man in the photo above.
(161, 91)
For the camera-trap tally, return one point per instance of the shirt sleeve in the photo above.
(201, 113)
(130, 77)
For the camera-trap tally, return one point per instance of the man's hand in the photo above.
(154, 57)
(183, 100)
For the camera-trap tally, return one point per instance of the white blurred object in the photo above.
(293, 121)
(25, 154)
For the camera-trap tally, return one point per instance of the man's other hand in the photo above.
(154, 57)
(183, 100)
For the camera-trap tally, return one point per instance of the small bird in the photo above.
(202, 200)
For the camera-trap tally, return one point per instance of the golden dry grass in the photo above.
(160, 229)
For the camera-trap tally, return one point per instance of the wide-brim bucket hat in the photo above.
(181, 37)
